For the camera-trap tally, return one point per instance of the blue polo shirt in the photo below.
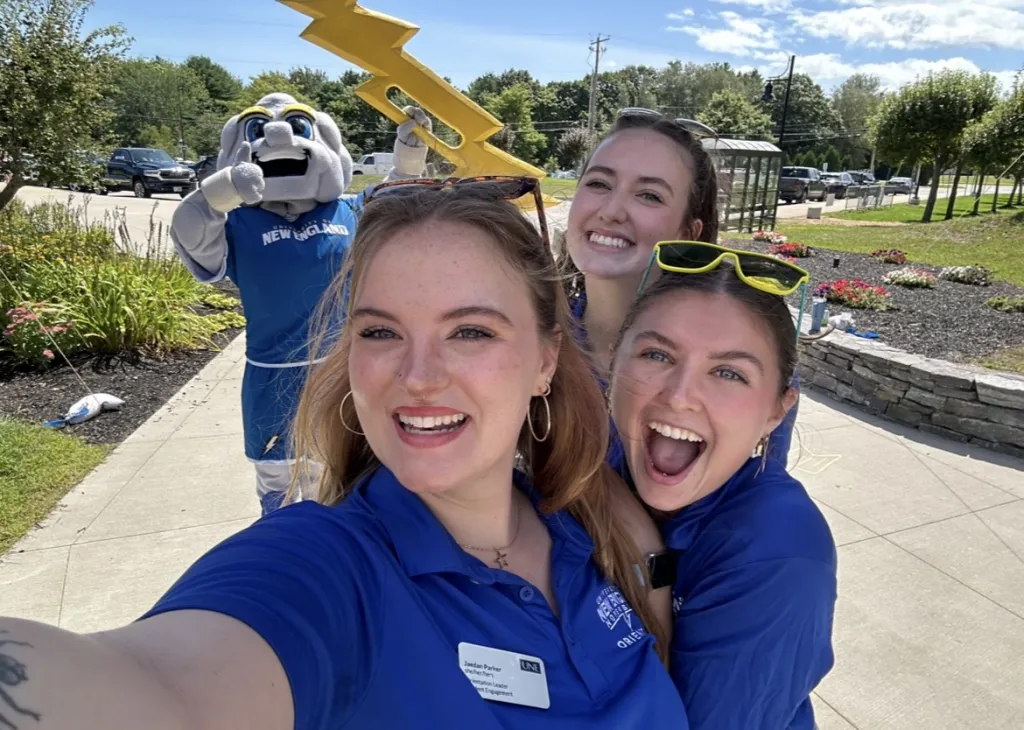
(753, 600)
(366, 603)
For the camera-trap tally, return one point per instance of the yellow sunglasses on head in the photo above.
(767, 273)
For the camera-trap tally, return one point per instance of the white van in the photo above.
(375, 163)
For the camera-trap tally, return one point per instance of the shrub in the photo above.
(889, 256)
(70, 281)
(911, 278)
(791, 250)
(975, 275)
(769, 237)
(856, 294)
(1010, 305)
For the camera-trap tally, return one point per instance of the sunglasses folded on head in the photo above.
(698, 129)
(767, 273)
(488, 187)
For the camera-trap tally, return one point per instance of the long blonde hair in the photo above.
(568, 468)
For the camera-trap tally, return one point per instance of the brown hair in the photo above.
(770, 309)
(568, 468)
(702, 202)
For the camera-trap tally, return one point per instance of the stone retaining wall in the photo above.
(963, 403)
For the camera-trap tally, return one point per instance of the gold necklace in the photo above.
(500, 553)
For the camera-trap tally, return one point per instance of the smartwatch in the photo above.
(661, 567)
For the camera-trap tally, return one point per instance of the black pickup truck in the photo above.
(147, 171)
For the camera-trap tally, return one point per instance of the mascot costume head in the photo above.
(297, 150)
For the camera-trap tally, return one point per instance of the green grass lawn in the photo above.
(995, 241)
(37, 468)
(906, 213)
(562, 189)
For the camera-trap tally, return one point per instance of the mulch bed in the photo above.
(144, 385)
(949, 322)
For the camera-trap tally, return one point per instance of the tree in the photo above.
(847, 163)
(53, 76)
(161, 94)
(494, 84)
(513, 106)
(832, 159)
(572, 147)
(855, 101)
(221, 86)
(685, 90)
(268, 82)
(925, 121)
(731, 115)
(811, 116)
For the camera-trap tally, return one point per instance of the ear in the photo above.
(229, 138)
(550, 349)
(696, 229)
(785, 403)
(330, 135)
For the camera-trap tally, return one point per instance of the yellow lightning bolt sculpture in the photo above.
(374, 42)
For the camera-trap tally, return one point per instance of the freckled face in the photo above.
(445, 357)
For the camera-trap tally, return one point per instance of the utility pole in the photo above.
(596, 47)
(785, 105)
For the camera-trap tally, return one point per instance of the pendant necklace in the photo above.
(500, 553)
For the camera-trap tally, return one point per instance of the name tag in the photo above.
(505, 676)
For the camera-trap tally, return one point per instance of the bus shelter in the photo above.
(748, 182)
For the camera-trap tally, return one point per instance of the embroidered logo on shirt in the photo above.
(613, 610)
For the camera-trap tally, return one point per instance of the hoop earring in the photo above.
(341, 415)
(547, 410)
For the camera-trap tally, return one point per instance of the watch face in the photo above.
(662, 569)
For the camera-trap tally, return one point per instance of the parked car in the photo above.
(204, 168)
(801, 184)
(146, 171)
(863, 178)
(899, 186)
(837, 183)
(375, 163)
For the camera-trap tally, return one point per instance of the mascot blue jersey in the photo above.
(282, 269)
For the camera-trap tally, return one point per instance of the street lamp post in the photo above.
(769, 96)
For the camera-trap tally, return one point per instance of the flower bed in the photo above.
(889, 256)
(910, 278)
(791, 250)
(854, 293)
(975, 275)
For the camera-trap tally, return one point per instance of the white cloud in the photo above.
(829, 70)
(740, 36)
(767, 6)
(681, 15)
(911, 24)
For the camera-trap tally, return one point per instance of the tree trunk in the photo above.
(952, 192)
(933, 195)
(10, 190)
(977, 193)
(1020, 191)
(995, 196)
(1013, 190)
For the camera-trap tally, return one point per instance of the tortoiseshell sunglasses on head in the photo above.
(493, 187)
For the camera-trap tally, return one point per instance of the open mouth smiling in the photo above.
(283, 167)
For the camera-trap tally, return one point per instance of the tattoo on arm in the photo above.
(12, 673)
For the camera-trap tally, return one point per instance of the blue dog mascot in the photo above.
(273, 219)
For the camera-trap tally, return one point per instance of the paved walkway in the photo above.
(929, 627)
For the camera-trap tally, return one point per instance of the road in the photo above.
(147, 221)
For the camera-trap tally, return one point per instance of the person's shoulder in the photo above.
(771, 516)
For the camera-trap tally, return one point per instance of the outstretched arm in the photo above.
(188, 670)
(198, 225)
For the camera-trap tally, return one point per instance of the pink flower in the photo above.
(48, 354)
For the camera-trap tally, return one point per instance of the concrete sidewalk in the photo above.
(929, 630)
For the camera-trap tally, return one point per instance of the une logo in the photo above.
(527, 666)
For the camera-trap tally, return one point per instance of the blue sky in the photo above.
(897, 40)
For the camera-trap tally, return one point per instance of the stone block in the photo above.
(814, 351)
(926, 398)
(1000, 390)
(887, 395)
(825, 382)
(891, 384)
(838, 361)
(985, 430)
(838, 372)
(841, 352)
(944, 432)
(914, 406)
(904, 415)
(984, 412)
(965, 395)
(944, 374)
(847, 392)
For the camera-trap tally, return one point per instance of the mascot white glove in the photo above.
(241, 183)
(410, 151)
